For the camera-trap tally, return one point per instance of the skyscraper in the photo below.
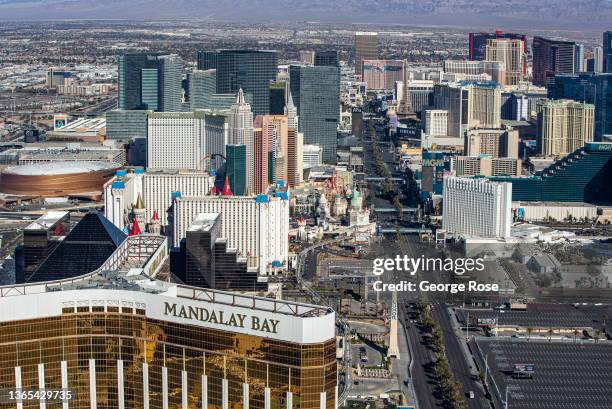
(150, 82)
(241, 133)
(478, 42)
(278, 89)
(176, 140)
(469, 106)
(598, 56)
(275, 129)
(607, 52)
(579, 58)
(591, 88)
(366, 48)
(295, 157)
(511, 53)
(207, 60)
(551, 57)
(563, 126)
(202, 86)
(261, 153)
(235, 168)
(249, 70)
(316, 91)
(328, 58)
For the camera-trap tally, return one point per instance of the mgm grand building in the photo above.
(118, 338)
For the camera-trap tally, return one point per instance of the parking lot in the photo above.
(374, 356)
(567, 375)
(545, 315)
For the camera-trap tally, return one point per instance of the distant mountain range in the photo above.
(548, 14)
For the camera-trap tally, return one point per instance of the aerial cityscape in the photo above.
(305, 205)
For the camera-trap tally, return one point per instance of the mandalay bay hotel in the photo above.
(117, 338)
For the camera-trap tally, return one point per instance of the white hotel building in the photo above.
(477, 208)
(256, 226)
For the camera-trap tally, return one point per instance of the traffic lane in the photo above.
(461, 368)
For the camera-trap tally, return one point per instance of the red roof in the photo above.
(214, 191)
(135, 230)
(226, 189)
(155, 216)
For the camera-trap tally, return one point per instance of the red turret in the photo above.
(155, 216)
(226, 189)
(135, 231)
(214, 191)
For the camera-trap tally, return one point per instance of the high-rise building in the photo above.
(275, 129)
(469, 106)
(383, 74)
(511, 53)
(551, 57)
(366, 48)
(291, 112)
(564, 126)
(307, 57)
(436, 122)
(156, 189)
(498, 143)
(278, 92)
(241, 133)
(316, 93)
(485, 165)
(202, 87)
(590, 88)
(176, 140)
(328, 58)
(598, 59)
(126, 125)
(207, 60)
(477, 207)
(150, 82)
(249, 70)
(419, 95)
(261, 155)
(235, 168)
(295, 157)
(607, 52)
(116, 337)
(478, 43)
(210, 263)
(256, 226)
(579, 58)
(496, 70)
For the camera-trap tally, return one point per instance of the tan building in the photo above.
(366, 48)
(509, 52)
(563, 126)
(295, 163)
(275, 129)
(487, 166)
(498, 143)
(496, 70)
(473, 106)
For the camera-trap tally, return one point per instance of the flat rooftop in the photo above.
(203, 222)
(47, 220)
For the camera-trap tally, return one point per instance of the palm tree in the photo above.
(529, 331)
(550, 334)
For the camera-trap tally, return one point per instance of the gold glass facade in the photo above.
(111, 335)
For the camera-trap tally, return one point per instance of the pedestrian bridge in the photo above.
(393, 209)
(382, 179)
(402, 230)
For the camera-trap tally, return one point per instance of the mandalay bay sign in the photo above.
(236, 320)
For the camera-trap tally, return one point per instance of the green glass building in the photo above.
(582, 176)
(150, 82)
(126, 125)
(316, 94)
(235, 168)
(251, 70)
